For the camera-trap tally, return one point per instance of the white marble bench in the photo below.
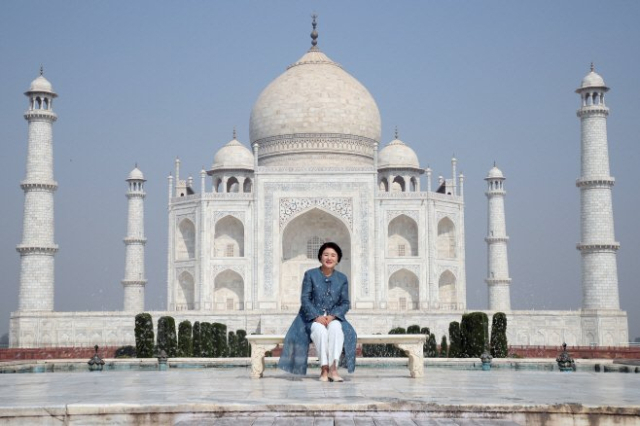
(410, 344)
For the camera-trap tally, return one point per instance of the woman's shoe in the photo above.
(336, 379)
(324, 379)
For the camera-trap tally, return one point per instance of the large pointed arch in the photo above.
(228, 240)
(186, 240)
(404, 291)
(228, 292)
(447, 290)
(402, 236)
(446, 241)
(299, 239)
(185, 292)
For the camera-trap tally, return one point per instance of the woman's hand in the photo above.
(324, 319)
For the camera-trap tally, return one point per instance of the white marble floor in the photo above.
(372, 396)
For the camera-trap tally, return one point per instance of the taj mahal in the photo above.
(315, 169)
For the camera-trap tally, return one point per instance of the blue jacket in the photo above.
(320, 295)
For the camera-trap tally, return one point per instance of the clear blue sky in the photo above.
(489, 81)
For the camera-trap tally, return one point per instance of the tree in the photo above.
(455, 350)
(444, 349)
(167, 339)
(499, 345)
(144, 335)
(474, 334)
(185, 341)
(432, 347)
(197, 340)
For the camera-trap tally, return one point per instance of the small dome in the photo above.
(593, 79)
(397, 155)
(233, 155)
(495, 173)
(136, 174)
(41, 84)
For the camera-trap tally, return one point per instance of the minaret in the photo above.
(497, 260)
(134, 279)
(37, 248)
(598, 246)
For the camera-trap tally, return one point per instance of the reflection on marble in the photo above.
(219, 396)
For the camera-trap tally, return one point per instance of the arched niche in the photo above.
(186, 240)
(299, 237)
(384, 185)
(446, 240)
(402, 236)
(228, 292)
(228, 238)
(404, 291)
(398, 184)
(184, 293)
(233, 185)
(247, 187)
(447, 293)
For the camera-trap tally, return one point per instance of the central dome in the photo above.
(317, 114)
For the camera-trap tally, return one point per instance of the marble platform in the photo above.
(371, 396)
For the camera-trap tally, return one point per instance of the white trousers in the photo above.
(328, 341)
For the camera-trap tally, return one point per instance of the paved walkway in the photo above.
(372, 396)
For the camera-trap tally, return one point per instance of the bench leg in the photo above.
(257, 360)
(416, 358)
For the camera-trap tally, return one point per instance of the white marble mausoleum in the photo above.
(315, 169)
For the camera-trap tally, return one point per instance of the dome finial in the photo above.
(41, 69)
(396, 136)
(593, 68)
(314, 33)
(234, 132)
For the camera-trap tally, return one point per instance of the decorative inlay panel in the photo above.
(220, 214)
(290, 207)
(359, 228)
(392, 214)
(395, 268)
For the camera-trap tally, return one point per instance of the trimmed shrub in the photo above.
(432, 347)
(244, 349)
(185, 341)
(206, 339)
(144, 335)
(233, 344)
(499, 346)
(392, 351)
(474, 334)
(167, 339)
(126, 352)
(197, 342)
(413, 329)
(425, 346)
(455, 350)
(444, 348)
(220, 346)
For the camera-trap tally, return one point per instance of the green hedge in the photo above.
(432, 347)
(455, 349)
(167, 339)
(144, 335)
(474, 334)
(220, 346)
(244, 349)
(499, 345)
(206, 340)
(444, 348)
(197, 340)
(185, 341)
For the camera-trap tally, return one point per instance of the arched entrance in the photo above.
(301, 239)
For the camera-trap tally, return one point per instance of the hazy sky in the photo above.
(489, 81)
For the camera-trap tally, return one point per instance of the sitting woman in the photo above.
(321, 319)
